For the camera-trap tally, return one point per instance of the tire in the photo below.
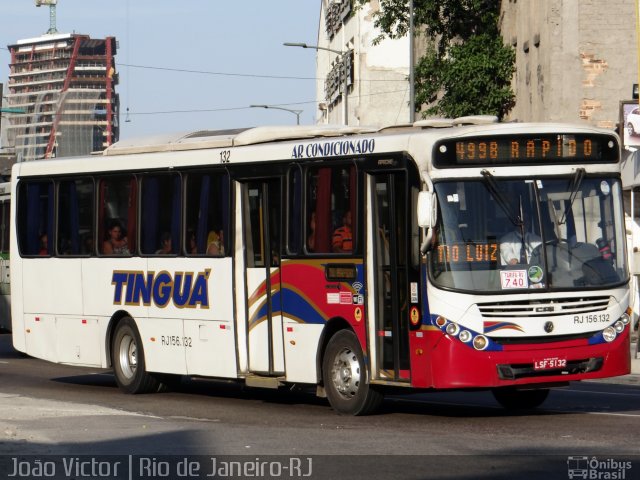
(345, 377)
(127, 356)
(513, 399)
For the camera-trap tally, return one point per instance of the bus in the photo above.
(353, 261)
(5, 277)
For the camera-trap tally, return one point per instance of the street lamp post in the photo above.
(345, 73)
(412, 93)
(295, 112)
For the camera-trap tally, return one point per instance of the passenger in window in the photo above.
(44, 245)
(115, 242)
(311, 238)
(88, 245)
(342, 241)
(165, 244)
(192, 248)
(215, 243)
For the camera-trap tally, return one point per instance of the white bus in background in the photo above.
(5, 276)
(351, 259)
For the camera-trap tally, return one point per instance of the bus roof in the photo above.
(250, 136)
(228, 138)
(285, 142)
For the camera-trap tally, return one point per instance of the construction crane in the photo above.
(52, 13)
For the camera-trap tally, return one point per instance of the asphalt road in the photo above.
(48, 409)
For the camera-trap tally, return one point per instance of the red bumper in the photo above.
(442, 362)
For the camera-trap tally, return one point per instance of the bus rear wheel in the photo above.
(513, 399)
(128, 360)
(344, 374)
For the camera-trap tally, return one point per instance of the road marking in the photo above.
(599, 393)
(615, 414)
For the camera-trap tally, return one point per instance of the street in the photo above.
(50, 409)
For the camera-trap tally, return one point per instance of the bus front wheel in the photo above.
(344, 374)
(128, 360)
(513, 399)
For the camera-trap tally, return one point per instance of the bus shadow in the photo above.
(585, 398)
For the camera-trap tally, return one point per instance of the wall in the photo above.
(575, 59)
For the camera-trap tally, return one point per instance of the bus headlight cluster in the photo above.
(452, 329)
(625, 318)
(479, 342)
(465, 336)
(609, 334)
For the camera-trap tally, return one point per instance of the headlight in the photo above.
(625, 318)
(453, 329)
(609, 334)
(465, 336)
(480, 342)
(618, 326)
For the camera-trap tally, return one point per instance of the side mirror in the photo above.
(426, 209)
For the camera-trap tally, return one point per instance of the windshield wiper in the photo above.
(576, 181)
(504, 203)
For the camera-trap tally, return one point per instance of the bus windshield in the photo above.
(497, 235)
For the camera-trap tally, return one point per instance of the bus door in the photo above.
(390, 256)
(261, 218)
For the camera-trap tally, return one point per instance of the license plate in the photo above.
(549, 363)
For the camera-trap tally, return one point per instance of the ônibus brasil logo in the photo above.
(594, 468)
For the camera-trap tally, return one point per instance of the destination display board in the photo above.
(525, 149)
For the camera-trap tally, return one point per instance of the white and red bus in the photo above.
(5, 276)
(360, 261)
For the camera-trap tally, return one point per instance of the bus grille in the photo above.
(544, 308)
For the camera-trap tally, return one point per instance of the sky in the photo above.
(191, 64)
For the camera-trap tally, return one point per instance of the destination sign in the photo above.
(525, 149)
(467, 253)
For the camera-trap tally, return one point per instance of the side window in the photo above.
(294, 203)
(160, 214)
(35, 217)
(117, 215)
(76, 217)
(207, 214)
(331, 209)
(6, 226)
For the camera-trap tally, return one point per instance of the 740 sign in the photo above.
(514, 279)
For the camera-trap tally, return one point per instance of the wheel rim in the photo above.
(345, 373)
(128, 355)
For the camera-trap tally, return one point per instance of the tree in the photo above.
(467, 69)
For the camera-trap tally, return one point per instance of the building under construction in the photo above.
(62, 92)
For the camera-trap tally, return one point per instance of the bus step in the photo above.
(263, 382)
